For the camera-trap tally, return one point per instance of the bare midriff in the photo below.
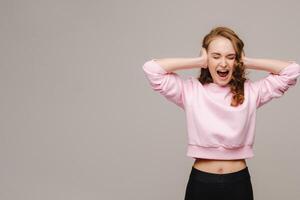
(219, 166)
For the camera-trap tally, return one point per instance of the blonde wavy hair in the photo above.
(238, 74)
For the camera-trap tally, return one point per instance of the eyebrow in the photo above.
(220, 54)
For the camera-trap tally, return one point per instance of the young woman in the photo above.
(220, 107)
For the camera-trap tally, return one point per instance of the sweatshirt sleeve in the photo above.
(168, 84)
(275, 85)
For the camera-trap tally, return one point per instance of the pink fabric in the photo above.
(215, 129)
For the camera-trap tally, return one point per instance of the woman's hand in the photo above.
(203, 56)
(244, 59)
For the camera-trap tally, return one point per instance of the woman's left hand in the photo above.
(244, 59)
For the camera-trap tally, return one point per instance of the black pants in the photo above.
(209, 186)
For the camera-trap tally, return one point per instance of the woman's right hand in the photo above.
(203, 56)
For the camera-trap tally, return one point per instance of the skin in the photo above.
(220, 55)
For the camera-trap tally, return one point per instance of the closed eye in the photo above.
(231, 58)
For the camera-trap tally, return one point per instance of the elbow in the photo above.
(290, 73)
(146, 66)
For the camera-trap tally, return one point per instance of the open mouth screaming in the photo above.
(223, 73)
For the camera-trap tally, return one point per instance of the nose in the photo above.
(223, 62)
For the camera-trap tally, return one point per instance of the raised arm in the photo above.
(282, 76)
(162, 78)
(269, 65)
(173, 64)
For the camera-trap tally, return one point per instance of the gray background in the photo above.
(80, 121)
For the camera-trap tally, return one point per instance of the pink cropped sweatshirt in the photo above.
(215, 129)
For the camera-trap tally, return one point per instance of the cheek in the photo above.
(211, 61)
(212, 64)
(211, 67)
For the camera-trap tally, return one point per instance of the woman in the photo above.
(220, 107)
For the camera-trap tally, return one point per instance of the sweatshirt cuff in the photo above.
(157, 66)
(292, 68)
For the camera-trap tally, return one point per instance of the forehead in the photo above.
(221, 46)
